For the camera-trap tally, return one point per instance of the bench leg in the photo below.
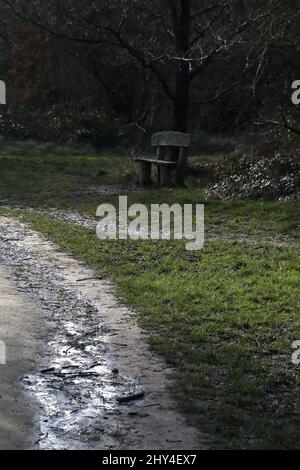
(157, 173)
(164, 175)
(182, 166)
(145, 173)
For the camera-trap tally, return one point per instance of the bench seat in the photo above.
(155, 162)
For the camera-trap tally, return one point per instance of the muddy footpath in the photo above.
(79, 373)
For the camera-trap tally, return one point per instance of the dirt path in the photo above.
(96, 355)
(20, 324)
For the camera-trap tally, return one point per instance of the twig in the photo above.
(90, 279)
(132, 397)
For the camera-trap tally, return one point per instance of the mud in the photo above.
(98, 386)
(23, 350)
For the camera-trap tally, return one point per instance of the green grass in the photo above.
(68, 182)
(224, 318)
(55, 180)
(239, 218)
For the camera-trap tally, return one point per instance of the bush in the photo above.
(258, 177)
(12, 129)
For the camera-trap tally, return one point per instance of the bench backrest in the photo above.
(171, 139)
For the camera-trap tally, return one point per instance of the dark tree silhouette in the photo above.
(176, 40)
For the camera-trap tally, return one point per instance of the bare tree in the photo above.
(176, 40)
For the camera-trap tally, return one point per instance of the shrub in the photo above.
(277, 176)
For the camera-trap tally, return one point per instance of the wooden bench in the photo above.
(171, 154)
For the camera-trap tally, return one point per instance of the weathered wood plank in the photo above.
(155, 162)
(145, 172)
(160, 153)
(164, 175)
(182, 166)
(171, 139)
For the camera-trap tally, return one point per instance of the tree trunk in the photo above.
(182, 28)
(181, 103)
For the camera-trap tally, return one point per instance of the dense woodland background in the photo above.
(111, 72)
